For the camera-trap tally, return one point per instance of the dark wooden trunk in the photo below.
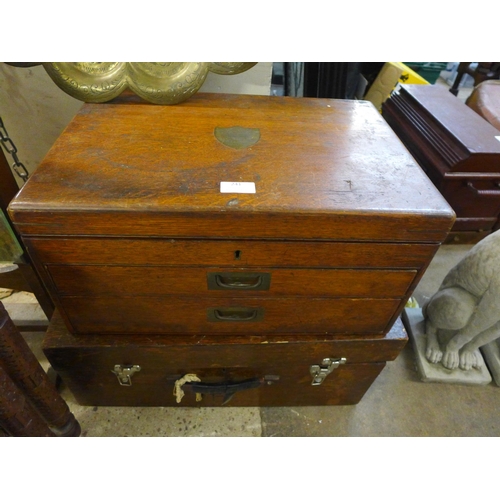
(282, 363)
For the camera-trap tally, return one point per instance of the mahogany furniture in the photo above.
(29, 404)
(17, 416)
(459, 151)
(327, 226)
(481, 72)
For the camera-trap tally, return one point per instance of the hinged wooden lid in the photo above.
(451, 131)
(321, 169)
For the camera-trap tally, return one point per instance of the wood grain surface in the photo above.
(176, 315)
(86, 362)
(125, 218)
(247, 253)
(326, 169)
(117, 280)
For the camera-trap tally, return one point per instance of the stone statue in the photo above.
(464, 314)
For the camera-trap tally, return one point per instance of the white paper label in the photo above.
(237, 187)
(497, 137)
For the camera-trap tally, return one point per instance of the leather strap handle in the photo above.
(225, 387)
(229, 389)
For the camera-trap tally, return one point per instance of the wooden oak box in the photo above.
(457, 148)
(130, 228)
(142, 370)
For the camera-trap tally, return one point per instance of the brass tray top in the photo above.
(156, 82)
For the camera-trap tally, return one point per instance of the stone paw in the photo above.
(469, 360)
(433, 355)
(451, 360)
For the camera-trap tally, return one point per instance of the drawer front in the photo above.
(227, 316)
(237, 253)
(107, 285)
(473, 197)
(153, 280)
(474, 224)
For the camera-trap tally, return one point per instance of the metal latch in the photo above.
(320, 372)
(124, 373)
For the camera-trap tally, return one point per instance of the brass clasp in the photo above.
(320, 372)
(124, 373)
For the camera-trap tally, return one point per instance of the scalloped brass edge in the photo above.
(102, 82)
(230, 68)
(85, 87)
(172, 90)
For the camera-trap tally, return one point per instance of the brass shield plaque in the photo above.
(237, 137)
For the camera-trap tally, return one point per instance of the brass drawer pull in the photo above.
(236, 314)
(238, 281)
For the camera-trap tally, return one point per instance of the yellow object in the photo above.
(391, 74)
(412, 303)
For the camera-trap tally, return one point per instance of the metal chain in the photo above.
(10, 147)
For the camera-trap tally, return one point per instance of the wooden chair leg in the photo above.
(462, 70)
(17, 417)
(21, 365)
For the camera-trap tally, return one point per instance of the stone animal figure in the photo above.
(466, 308)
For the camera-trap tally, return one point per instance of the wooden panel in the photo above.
(244, 253)
(481, 224)
(172, 315)
(118, 280)
(456, 137)
(363, 226)
(473, 197)
(85, 364)
(466, 237)
(360, 349)
(14, 280)
(345, 386)
(119, 170)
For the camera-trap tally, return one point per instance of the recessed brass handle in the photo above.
(484, 192)
(241, 315)
(235, 314)
(238, 281)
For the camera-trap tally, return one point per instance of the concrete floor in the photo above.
(397, 404)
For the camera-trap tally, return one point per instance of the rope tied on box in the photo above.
(178, 392)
